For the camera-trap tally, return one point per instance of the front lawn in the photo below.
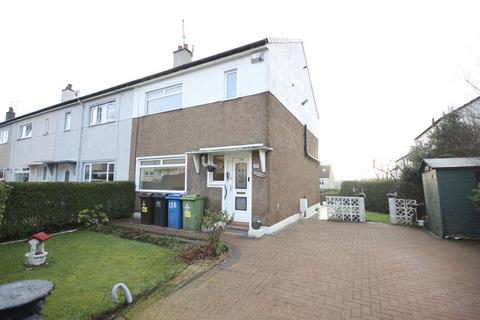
(377, 217)
(85, 265)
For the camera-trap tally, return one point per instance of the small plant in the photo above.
(93, 217)
(476, 197)
(215, 222)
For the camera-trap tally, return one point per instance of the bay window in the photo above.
(161, 174)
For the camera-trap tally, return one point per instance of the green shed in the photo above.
(447, 185)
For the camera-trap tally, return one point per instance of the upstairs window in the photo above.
(47, 125)
(165, 99)
(231, 84)
(102, 113)
(3, 136)
(25, 131)
(68, 121)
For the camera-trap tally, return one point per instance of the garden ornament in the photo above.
(37, 254)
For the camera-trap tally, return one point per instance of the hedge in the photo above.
(50, 206)
(376, 191)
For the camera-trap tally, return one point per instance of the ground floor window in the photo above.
(161, 174)
(2, 174)
(21, 174)
(217, 177)
(99, 172)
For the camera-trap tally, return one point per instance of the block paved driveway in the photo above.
(334, 270)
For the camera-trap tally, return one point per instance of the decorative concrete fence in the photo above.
(402, 211)
(346, 208)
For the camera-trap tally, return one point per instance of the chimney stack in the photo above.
(182, 56)
(68, 93)
(10, 114)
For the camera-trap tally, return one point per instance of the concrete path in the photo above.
(333, 270)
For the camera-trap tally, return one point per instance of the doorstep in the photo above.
(181, 233)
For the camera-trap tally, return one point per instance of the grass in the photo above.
(377, 217)
(85, 265)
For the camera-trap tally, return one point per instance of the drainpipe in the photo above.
(305, 145)
(79, 165)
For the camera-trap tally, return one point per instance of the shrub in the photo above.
(4, 194)
(476, 197)
(214, 223)
(93, 217)
(50, 206)
(375, 192)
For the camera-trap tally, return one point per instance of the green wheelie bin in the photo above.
(193, 205)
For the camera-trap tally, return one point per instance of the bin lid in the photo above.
(174, 196)
(192, 197)
(159, 195)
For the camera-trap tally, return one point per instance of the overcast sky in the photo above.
(380, 69)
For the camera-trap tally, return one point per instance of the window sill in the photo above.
(24, 138)
(161, 191)
(100, 124)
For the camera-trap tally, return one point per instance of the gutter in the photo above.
(305, 145)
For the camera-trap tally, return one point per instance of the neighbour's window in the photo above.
(47, 125)
(218, 175)
(99, 172)
(21, 174)
(231, 84)
(25, 131)
(67, 176)
(162, 174)
(2, 174)
(164, 99)
(68, 121)
(3, 136)
(102, 113)
(45, 173)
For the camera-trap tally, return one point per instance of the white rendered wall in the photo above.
(206, 84)
(289, 82)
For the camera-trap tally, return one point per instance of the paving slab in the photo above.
(336, 270)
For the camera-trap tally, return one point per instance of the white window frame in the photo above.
(3, 136)
(67, 121)
(22, 130)
(210, 182)
(93, 113)
(85, 164)
(225, 83)
(163, 90)
(47, 126)
(21, 170)
(138, 167)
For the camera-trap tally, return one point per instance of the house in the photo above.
(471, 108)
(327, 179)
(447, 185)
(239, 127)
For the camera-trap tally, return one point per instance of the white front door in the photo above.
(237, 193)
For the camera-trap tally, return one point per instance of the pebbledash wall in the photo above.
(258, 118)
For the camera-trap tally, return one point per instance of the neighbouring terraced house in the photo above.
(248, 115)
